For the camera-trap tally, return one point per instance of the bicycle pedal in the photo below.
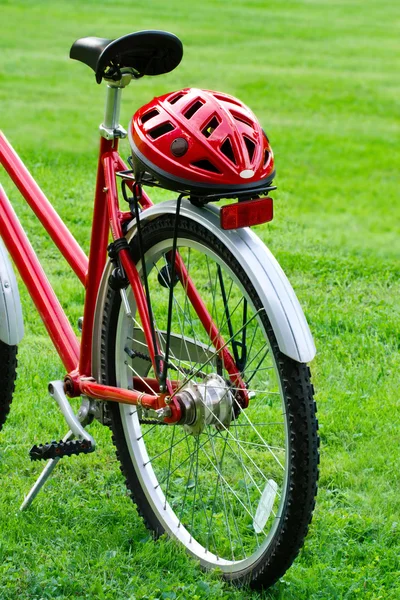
(59, 449)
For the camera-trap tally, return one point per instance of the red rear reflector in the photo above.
(246, 213)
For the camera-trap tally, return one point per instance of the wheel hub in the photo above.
(206, 403)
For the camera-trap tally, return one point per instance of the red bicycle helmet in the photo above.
(201, 142)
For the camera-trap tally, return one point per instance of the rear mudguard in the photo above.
(11, 322)
(283, 309)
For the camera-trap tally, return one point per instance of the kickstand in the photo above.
(43, 477)
(76, 424)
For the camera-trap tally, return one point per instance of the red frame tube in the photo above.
(108, 392)
(35, 279)
(42, 208)
(97, 260)
(110, 164)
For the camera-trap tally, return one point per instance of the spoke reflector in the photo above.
(265, 505)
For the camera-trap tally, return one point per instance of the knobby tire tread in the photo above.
(8, 375)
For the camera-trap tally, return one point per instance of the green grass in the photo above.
(322, 78)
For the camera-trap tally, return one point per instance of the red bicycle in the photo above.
(193, 345)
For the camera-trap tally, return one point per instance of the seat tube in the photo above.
(97, 261)
(110, 131)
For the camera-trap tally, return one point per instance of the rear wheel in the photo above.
(237, 486)
(8, 374)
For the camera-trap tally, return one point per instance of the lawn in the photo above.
(322, 78)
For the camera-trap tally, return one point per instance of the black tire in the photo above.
(8, 375)
(299, 484)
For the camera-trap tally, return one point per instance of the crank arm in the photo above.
(56, 390)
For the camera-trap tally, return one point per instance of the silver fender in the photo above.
(283, 309)
(11, 322)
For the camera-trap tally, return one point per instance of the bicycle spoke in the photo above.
(256, 356)
(259, 435)
(265, 444)
(216, 484)
(224, 503)
(257, 367)
(245, 470)
(215, 354)
(187, 481)
(153, 458)
(229, 487)
(178, 466)
(140, 377)
(196, 479)
(172, 445)
(147, 431)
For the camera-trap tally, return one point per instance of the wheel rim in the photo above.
(221, 493)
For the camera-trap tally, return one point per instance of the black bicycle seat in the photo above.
(148, 52)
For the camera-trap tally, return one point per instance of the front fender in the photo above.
(11, 321)
(282, 306)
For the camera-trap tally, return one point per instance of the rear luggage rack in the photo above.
(201, 199)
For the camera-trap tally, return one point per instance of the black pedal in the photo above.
(60, 449)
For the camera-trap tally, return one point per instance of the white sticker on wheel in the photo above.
(265, 505)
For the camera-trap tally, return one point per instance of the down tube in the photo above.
(31, 271)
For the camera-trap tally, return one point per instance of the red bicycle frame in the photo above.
(77, 356)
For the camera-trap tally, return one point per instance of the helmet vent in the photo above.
(227, 99)
(227, 149)
(241, 119)
(250, 145)
(210, 127)
(149, 115)
(206, 165)
(266, 157)
(193, 109)
(176, 98)
(161, 130)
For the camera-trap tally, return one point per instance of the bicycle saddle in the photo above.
(148, 52)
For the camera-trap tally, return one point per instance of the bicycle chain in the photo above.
(151, 422)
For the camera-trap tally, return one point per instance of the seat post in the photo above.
(112, 108)
(110, 128)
